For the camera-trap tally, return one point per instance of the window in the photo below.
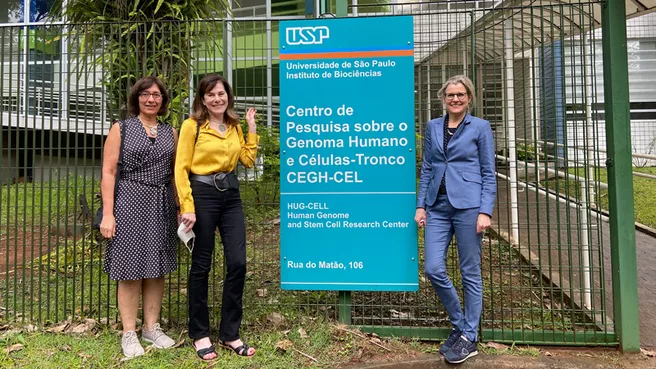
(10, 11)
(40, 10)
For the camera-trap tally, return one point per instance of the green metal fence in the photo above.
(536, 71)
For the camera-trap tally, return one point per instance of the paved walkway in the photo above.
(579, 359)
(551, 230)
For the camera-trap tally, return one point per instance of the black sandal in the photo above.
(205, 351)
(241, 350)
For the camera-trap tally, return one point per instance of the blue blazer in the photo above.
(469, 165)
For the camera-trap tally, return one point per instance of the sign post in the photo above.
(347, 154)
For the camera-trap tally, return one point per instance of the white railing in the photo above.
(598, 150)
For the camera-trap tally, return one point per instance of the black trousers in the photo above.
(224, 210)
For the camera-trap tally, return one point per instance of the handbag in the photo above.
(95, 224)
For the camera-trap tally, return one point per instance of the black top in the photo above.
(448, 134)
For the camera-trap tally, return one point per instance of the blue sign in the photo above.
(347, 155)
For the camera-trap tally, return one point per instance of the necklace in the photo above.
(151, 129)
(222, 127)
(449, 129)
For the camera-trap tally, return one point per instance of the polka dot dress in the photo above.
(145, 242)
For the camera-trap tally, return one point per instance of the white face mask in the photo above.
(187, 237)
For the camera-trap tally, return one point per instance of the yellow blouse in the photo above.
(211, 154)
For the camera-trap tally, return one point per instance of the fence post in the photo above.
(344, 296)
(472, 73)
(227, 49)
(509, 111)
(620, 180)
(269, 70)
(344, 307)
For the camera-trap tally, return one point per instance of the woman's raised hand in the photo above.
(250, 119)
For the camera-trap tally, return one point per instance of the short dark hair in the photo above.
(206, 84)
(143, 84)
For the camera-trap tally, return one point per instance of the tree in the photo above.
(134, 38)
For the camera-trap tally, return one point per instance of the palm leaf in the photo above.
(142, 37)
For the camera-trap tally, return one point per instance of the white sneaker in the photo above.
(131, 346)
(157, 337)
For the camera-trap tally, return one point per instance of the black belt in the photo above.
(221, 181)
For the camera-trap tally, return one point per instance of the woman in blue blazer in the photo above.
(456, 196)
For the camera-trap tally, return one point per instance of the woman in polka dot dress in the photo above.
(140, 219)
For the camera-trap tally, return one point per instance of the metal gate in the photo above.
(534, 72)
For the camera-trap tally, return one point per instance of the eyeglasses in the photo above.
(147, 95)
(460, 96)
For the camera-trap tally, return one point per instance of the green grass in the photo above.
(39, 204)
(643, 198)
(329, 345)
(100, 348)
(67, 281)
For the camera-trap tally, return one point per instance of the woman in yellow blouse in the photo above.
(210, 143)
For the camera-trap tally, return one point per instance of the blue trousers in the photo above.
(442, 221)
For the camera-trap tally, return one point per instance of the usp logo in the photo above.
(307, 35)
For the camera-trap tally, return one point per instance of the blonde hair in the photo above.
(459, 80)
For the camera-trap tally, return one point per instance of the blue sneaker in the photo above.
(453, 337)
(462, 350)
